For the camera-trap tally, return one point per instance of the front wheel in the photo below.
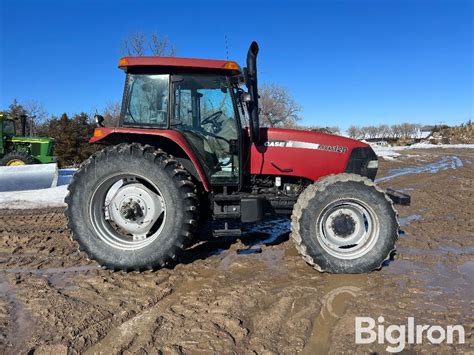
(131, 207)
(344, 224)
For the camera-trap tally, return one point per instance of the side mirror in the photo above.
(245, 96)
(99, 120)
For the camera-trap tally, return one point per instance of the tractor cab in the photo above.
(199, 105)
(7, 130)
(7, 126)
(197, 98)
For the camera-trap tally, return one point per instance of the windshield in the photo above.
(8, 127)
(147, 100)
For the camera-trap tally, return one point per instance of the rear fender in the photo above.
(172, 142)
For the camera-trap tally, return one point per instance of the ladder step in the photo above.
(227, 233)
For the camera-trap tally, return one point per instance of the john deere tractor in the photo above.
(20, 150)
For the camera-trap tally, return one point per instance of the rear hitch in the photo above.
(398, 198)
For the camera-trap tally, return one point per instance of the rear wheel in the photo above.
(344, 224)
(17, 158)
(131, 207)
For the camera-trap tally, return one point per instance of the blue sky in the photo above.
(345, 61)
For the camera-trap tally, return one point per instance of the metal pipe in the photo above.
(28, 177)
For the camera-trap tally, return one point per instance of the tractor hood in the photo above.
(310, 155)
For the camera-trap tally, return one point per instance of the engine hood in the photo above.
(305, 154)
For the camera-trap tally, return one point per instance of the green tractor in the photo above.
(21, 150)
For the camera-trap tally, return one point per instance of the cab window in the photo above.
(147, 100)
(8, 127)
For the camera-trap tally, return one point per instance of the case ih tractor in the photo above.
(181, 154)
(22, 150)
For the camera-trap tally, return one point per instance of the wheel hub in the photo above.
(135, 209)
(15, 162)
(343, 225)
(131, 210)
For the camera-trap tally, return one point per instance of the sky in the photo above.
(362, 62)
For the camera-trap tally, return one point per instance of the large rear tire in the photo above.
(344, 224)
(131, 207)
(17, 158)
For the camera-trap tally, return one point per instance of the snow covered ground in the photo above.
(390, 153)
(52, 197)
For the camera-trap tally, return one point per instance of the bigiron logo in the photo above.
(367, 332)
(305, 145)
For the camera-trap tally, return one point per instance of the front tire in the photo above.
(131, 207)
(344, 224)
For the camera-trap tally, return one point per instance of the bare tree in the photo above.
(140, 44)
(407, 130)
(160, 46)
(112, 114)
(334, 130)
(37, 115)
(396, 131)
(355, 132)
(277, 107)
(384, 131)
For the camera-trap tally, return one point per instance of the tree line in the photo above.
(384, 131)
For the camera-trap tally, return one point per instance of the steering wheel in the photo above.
(212, 118)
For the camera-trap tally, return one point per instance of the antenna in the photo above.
(226, 48)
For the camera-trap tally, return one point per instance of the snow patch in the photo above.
(444, 146)
(44, 198)
(390, 153)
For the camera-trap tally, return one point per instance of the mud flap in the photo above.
(398, 198)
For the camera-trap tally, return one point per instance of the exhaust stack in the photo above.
(252, 86)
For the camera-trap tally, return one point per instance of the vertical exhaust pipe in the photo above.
(23, 124)
(252, 86)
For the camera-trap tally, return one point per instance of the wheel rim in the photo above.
(347, 228)
(15, 162)
(127, 211)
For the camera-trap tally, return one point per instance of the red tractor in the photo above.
(181, 153)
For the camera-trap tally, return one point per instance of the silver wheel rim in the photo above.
(127, 211)
(347, 228)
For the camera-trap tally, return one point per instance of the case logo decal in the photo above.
(305, 145)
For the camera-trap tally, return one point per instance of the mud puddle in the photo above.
(338, 294)
(404, 221)
(447, 162)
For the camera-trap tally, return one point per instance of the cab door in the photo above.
(204, 113)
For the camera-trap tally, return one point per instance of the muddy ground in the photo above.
(218, 300)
